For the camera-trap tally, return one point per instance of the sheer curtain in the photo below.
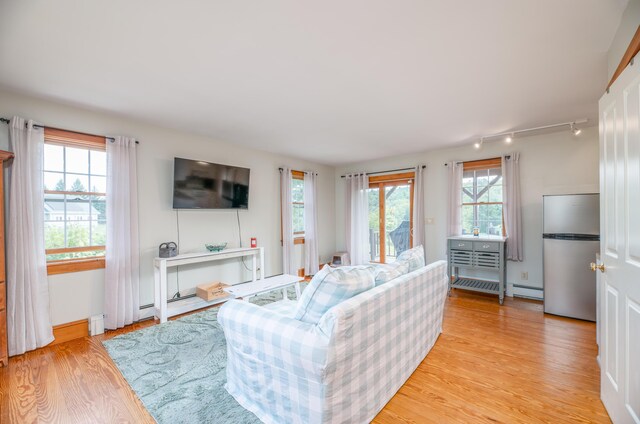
(512, 206)
(28, 319)
(454, 218)
(122, 277)
(286, 205)
(357, 218)
(418, 208)
(310, 223)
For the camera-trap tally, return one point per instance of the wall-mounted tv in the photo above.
(204, 185)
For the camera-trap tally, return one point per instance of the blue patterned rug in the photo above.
(178, 369)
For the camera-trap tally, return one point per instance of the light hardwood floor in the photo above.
(509, 364)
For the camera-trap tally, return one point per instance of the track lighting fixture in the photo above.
(509, 136)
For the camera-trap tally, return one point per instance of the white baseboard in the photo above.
(516, 290)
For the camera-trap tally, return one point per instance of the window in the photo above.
(390, 215)
(297, 200)
(297, 196)
(75, 168)
(482, 197)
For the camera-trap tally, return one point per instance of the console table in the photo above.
(163, 309)
(478, 253)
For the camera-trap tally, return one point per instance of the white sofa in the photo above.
(345, 368)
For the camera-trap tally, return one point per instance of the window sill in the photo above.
(74, 265)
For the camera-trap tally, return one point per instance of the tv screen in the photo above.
(204, 185)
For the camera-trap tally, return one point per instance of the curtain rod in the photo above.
(304, 172)
(475, 160)
(111, 139)
(390, 170)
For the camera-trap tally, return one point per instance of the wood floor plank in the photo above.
(492, 364)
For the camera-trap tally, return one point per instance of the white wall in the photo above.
(552, 163)
(627, 29)
(78, 295)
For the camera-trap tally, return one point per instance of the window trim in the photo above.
(390, 180)
(66, 138)
(483, 165)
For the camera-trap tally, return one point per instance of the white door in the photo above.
(619, 282)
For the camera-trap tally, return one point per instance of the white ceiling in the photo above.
(331, 81)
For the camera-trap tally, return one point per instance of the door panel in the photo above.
(612, 331)
(632, 367)
(632, 147)
(619, 309)
(609, 207)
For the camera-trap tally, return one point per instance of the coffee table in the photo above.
(245, 291)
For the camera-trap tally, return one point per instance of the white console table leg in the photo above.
(262, 275)
(156, 292)
(254, 269)
(163, 292)
(298, 291)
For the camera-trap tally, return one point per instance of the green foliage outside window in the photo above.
(297, 196)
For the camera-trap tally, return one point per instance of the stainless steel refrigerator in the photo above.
(571, 239)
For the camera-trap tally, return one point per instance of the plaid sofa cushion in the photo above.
(331, 286)
(387, 272)
(414, 257)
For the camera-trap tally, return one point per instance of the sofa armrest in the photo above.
(255, 334)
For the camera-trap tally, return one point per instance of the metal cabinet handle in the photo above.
(460, 244)
(486, 246)
(595, 266)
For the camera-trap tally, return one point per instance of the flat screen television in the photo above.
(204, 185)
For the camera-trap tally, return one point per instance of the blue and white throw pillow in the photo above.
(414, 257)
(387, 272)
(331, 286)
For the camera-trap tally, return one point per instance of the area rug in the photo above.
(178, 369)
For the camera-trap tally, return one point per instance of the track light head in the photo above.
(478, 144)
(509, 138)
(574, 130)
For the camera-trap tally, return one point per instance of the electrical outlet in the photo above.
(524, 276)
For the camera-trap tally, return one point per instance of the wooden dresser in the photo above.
(4, 354)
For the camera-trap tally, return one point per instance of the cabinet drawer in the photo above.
(460, 245)
(461, 257)
(487, 260)
(486, 246)
(3, 293)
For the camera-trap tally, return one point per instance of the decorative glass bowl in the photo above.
(215, 247)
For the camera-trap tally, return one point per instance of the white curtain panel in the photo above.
(28, 319)
(454, 217)
(311, 223)
(122, 273)
(512, 205)
(357, 218)
(418, 208)
(286, 205)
